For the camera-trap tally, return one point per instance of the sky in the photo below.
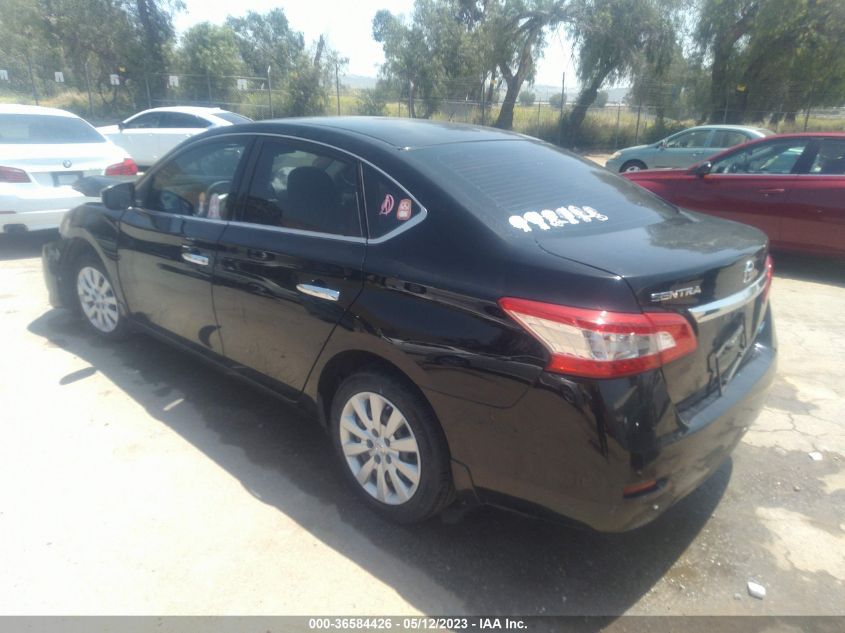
(347, 25)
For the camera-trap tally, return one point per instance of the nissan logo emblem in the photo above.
(748, 271)
(67, 164)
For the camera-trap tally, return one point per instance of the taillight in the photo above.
(602, 344)
(126, 168)
(13, 174)
(770, 271)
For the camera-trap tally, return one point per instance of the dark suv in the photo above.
(469, 312)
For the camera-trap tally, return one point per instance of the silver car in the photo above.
(684, 148)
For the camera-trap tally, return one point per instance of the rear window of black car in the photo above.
(21, 129)
(531, 187)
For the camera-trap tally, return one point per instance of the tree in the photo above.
(557, 100)
(527, 98)
(611, 36)
(772, 56)
(440, 53)
(601, 98)
(154, 24)
(516, 30)
(721, 25)
(267, 40)
(209, 57)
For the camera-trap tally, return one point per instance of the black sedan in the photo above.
(471, 314)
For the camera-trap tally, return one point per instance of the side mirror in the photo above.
(701, 169)
(119, 197)
(121, 126)
(661, 144)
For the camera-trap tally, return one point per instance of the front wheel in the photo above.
(97, 300)
(633, 165)
(391, 447)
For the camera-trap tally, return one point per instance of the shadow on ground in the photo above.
(24, 245)
(492, 562)
(807, 268)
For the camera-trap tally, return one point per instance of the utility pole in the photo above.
(149, 94)
(560, 116)
(32, 78)
(337, 86)
(483, 81)
(88, 87)
(269, 92)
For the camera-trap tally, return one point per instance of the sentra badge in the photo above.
(680, 293)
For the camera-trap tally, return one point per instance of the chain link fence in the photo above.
(110, 97)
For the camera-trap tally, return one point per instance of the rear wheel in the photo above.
(391, 447)
(97, 300)
(633, 165)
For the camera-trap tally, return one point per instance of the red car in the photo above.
(791, 186)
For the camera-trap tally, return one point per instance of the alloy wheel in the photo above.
(380, 448)
(97, 299)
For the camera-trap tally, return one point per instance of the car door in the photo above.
(750, 185)
(814, 221)
(176, 127)
(168, 240)
(683, 149)
(291, 264)
(138, 137)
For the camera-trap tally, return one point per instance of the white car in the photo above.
(43, 152)
(150, 134)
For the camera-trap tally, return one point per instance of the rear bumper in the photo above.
(570, 448)
(35, 208)
(52, 255)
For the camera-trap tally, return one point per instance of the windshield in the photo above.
(233, 118)
(21, 129)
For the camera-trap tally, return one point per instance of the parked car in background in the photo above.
(684, 148)
(150, 134)
(496, 320)
(791, 186)
(43, 152)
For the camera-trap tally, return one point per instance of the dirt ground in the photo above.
(136, 480)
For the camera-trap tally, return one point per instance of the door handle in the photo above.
(263, 256)
(195, 258)
(319, 292)
(772, 192)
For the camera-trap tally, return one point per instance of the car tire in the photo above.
(96, 300)
(372, 414)
(633, 165)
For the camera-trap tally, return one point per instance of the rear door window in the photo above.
(727, 138)
(830, 159)
(182, 120)
(297, 188)
(144, 121)
(389, 207)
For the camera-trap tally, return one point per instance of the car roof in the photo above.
(728, 126)
(404, 134)
(200, 110)
(15, 108)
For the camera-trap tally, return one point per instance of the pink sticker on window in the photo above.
(404, 211)
(386, 205)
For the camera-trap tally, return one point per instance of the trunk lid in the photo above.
(705, 268)
(56, 165)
